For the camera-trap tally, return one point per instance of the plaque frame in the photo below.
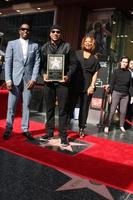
(55, 67)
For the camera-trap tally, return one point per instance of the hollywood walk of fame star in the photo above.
(74, 146)
(77, 182)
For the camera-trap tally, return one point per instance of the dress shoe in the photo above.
(47, 137)
(7, 135)
(28, 135)
(64, 142)
(122, 129)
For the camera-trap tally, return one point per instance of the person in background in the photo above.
(88, 66)
(22, 62)
(102, 35)
(57, 90)
(130, 104)
(131, 67)
(120, 86)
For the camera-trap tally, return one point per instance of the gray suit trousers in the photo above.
(13, 98)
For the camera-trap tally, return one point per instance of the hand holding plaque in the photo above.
(55, 67)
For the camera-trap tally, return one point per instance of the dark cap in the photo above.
(56, 26)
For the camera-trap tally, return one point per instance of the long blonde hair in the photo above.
(92, 39)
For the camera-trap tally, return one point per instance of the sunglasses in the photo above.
(58, 32)
(25, 29)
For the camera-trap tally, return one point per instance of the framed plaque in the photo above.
(55, 67)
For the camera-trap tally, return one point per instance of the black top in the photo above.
(121, 81)
(87, 68)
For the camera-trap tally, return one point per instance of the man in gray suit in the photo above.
(22, 62)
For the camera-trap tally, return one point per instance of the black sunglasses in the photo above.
(25, 29)
(58, 32)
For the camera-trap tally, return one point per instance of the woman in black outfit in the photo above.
(129, 115)
(120, 87)
(88, 70)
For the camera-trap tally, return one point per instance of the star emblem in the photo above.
(74, 146)
(56, 63)
(77, 182)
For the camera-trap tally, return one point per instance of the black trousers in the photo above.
(59, 92)
(85, 101)
(129, 115)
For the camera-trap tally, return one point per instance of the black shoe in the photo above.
(64, 142)
(7, 135)
(47, 137)
(28, 135)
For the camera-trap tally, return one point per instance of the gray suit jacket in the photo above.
(15, 65)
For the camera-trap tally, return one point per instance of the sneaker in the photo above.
(106, 129)
(122, 129)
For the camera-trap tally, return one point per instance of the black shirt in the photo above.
(87, 68)
(121, 81)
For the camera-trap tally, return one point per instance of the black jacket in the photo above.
(62, 48)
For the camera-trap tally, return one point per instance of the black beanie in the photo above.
(56, 26)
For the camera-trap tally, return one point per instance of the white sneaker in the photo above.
(106, 129)
(122, 129)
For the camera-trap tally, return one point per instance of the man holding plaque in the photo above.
(59, 64)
